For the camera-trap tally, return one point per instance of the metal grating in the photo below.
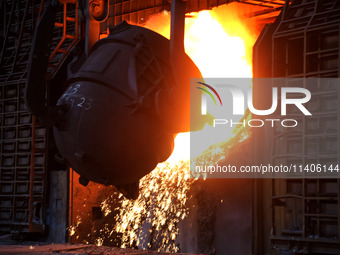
(306, 44)
(23, 141)
(138, 11)
(303, 215)
(18, 22)
(270, 4)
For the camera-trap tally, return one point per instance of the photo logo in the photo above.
(239, 98)
(204, 96)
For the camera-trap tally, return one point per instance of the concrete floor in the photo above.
(56, 249)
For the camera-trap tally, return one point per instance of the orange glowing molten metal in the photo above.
(220, 44)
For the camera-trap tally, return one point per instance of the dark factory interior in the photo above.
(93, 92)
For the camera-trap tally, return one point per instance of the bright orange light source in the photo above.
(220, 44)
(216, 53)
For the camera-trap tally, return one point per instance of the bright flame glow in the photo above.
(217, 41)
(182, 148)
(221, 46)
(214, 51)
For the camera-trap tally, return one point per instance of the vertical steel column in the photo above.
(31, 191)
(177, 26)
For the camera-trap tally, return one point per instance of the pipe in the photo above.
(177, 26)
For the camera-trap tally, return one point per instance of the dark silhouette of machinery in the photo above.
(117, 118)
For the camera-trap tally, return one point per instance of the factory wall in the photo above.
(33, 186)
(300, 216)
